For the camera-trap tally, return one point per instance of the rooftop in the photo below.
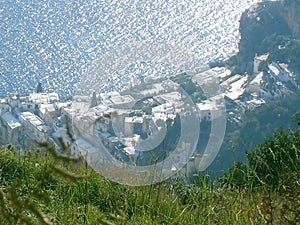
(221, 72)
(47, 107)
(207, 105)
(172, 96)
(153, 90)
(274, 69)
(262, 57)
(258, 79)
(233, 79)
(237, 88)
(34, 120)
(40, 98)
(256, 102)
(118, 100)
(11, 121)
(129, 150)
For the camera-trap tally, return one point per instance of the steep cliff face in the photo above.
(291, 14)
(264, 27)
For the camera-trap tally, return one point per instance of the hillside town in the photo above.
(123, 123)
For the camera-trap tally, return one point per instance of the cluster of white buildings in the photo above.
(246, 92)
(29, 116)
(118, 122)
(123, 123)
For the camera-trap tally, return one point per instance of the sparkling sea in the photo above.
(53, 41)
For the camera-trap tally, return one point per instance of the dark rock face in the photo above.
(261, 22)
(264, 25)
(292, 16)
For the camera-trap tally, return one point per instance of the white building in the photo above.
(258, 60)
(236, 86)
(256, 83)
(212, 108)
(35, 126)
(10, 129)
(281, 73)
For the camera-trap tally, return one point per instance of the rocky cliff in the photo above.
(263, 28)
(291, 14)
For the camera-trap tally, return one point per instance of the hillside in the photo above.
(272, 26)
(40, 188)
(46, 187)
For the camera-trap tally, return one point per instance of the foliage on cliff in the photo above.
(269, 27)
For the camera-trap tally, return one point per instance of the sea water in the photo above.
(51, 41)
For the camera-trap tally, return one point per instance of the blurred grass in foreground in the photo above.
(48, 188)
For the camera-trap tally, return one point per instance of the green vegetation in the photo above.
(269, 31)
(192, 89)
(282, 48)
(260, 123)
(48, 188)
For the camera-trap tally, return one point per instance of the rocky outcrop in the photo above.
(291, 14)
(263, 27)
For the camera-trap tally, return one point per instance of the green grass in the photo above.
(40, 188)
